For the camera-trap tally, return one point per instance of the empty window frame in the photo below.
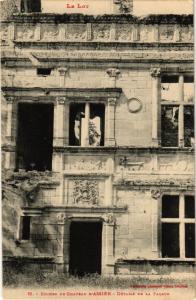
(87, 122)
(178, 226)
(25, 225)
(177, 111)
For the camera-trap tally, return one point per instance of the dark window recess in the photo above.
(35, 137)
(29, 6)
(189, 207)
(169, 125)
(96, 125)
(190, 240)
(188, 126)
(170, 240)
(25, 227)
(77, 125)
(43, 71)
(188, 88)
(170, 206)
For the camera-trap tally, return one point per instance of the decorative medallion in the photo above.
(134, 105)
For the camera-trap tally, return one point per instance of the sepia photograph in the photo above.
(97, 149)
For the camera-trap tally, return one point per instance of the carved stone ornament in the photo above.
(62, 71)
(110, 219)
(61, 100)
(113, 72)
(125, 6)
(85, 192)
(155, 72)
(134, 105)
(155, 194)
(61, 217)
(87, 165)
(111, 101)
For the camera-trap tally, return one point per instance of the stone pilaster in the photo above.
(59, 121)
(113, 74)
(181, 111)
(108, 245)
(110, 123)
(62, 74)
(156, 98)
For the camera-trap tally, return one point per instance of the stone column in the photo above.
(110, 123)
(85, 126)
(113, 74)
(181, 112)
(59, 121)
(156, 106)
(10, 101)
(62, 73)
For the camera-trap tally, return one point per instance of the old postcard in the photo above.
(97, 154)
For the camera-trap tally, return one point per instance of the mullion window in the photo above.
(177, 111)
(178, 226)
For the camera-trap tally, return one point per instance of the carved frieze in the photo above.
(86, 165)
(101, 31)
(76, 32)
(4, 32)
(186, 34)
(25, 33)
(50, 32)
(124, 32)
(166, 33)
(85, 192)
(146, 33)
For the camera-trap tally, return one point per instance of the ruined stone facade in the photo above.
(131, 179)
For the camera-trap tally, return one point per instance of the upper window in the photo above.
(178, 226)
(177, 111)
(86, 124)
(29, 6)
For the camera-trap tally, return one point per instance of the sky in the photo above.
(141, 7)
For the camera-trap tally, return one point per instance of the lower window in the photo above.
(178, 226)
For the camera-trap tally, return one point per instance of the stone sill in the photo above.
(119, 18)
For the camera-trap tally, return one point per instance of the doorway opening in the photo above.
(85, 248)
(34, 137)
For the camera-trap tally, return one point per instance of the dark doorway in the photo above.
(35, 136)
(85, 248)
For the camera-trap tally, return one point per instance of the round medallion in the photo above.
(134, 105)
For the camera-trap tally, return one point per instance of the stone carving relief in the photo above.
(124, 32)
(25, 33)
(166, 33)
(50, 32)
(76, 32)
(155, 194)
(86, 165)
(146, 33)
(110, 219)
(125, 6)
(177, 166)
(4, 34)
(186, 34)
(85, 192)
(101, 31)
